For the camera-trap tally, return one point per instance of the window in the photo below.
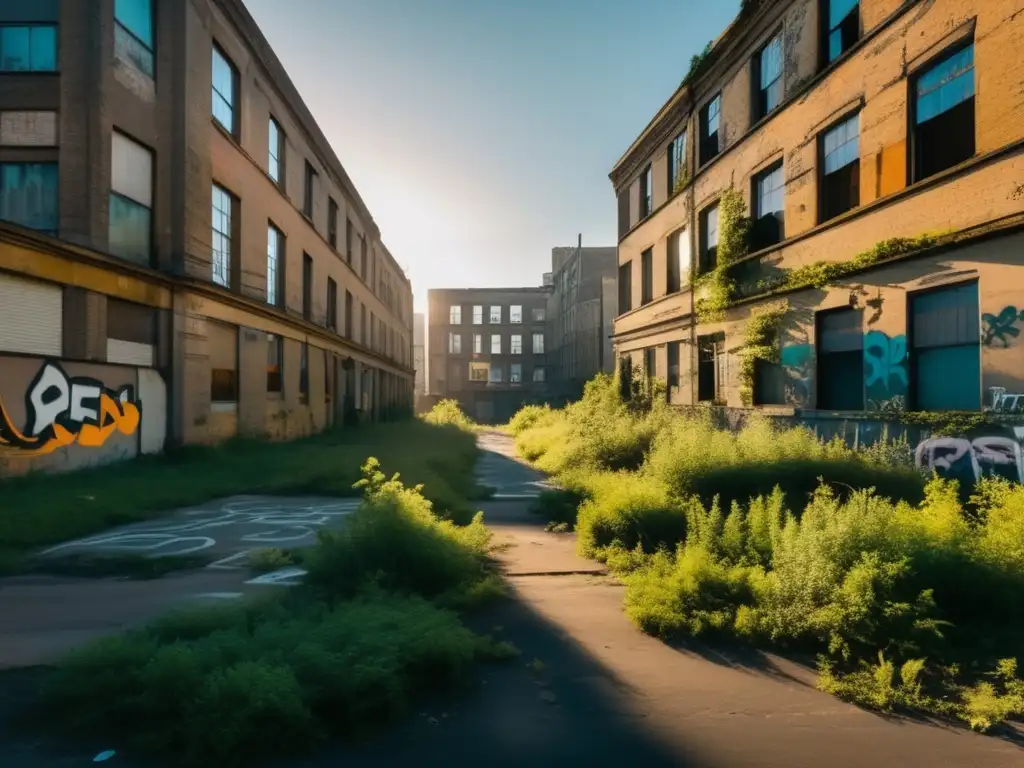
(455, 343)
(223, 231)
(28, 48)
(455, 314)
(646, 189)
(709, 238)
(840, 374)
(348, 315)
(676, 163)
(225, 88)
(625, 287)
(516, 344)
(478, 371)
(28, 195)
(350, 243)
(332, 304)
(133, 33)
(496, 374)
(709, 118)
(678, 259)
(478, 344)
(842, 27)
(538, 314)
(495, 315)
(274, 357)
(768, 77)
(946, 349)
(496, 344)
(515, 373)
(222, 341)
(307, 286)
(673, 363)
(275, 159)
(651, 362)
(129, 228)
(943, 113)
(646, 277)
(478, 315)
(711, 362)
(538, 373)
(332, 223)
(623, 213)
(515, 314)
(310, 190)
(769, 208)
(362, 324)
(840, 186)
(538, 343)
(304, 373)
(363, 265)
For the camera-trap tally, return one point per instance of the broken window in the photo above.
(943, 131)
(842, 26)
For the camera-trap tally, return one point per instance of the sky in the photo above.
(480, 133)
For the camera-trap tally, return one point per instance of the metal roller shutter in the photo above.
(31, 316)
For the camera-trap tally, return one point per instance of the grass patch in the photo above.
(270, 559)
(371, 629)
(127, 566)
(38, 512)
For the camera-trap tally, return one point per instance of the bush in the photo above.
(448, 413)
(627, 510)
(353, 645)
(528, 417)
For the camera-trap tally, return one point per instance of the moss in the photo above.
(760, 342)
(733, 244)
(698, 63)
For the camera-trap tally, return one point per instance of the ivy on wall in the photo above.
(733, 244)
(946, 423)
(761, 337)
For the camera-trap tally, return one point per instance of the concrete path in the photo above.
(605, 694)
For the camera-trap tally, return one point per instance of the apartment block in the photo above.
(487, 348)
(826, 219)
(183, 257)
(419, 351)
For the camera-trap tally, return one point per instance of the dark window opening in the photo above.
(349, 240)
(651, 363)
(676, 163)
(307, 286)
(709, 121)
(623, 213)
(625, 287)
(840, 375)
(332, 304)
(840, 183)
(348, 315)
(307, 203)
(646, 277)
(223, 385)
(673, 363)
(363, 259)
(946, 349)
(768, 78)
(769, 208)
(709, 238)
(943, 131)
(332, 223)
(274, 356)
(674, 266)
(710, 367)
(842, 26)
(646, 201)
(304, 373)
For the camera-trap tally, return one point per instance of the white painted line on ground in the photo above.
(221, 595)
(286, 577)
(231, 562)
(514, 496)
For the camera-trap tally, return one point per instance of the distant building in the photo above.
(419, 352)
(488, 349)
(581, 310)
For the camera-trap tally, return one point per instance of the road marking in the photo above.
(286, 577)
(221, 595)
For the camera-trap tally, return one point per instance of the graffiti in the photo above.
(1002, 326)
(797, 361)
(966, 460)
(232, 529)
(1003, 402)
(886, 380)
(62, 410)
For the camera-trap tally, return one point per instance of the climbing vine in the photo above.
(760, 342)
(681, 180)
(733, 244)
(945, 423)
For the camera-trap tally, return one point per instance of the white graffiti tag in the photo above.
(981, 457)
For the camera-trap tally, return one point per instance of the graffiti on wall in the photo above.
(797, 361)
(1006, 402)
(968, 460)
(62, 410)
(1003, 327)
(886, 380)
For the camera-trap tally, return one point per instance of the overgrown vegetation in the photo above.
(37, 512)
(773, 537)
(699, 63)
(760, 342)
(733, 244)
(447, 413)
(369, 631)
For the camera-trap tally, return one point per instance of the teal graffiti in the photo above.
(1001, 326)
(886, 380)
(798, 362)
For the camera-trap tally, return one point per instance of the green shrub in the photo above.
(527, 417)
(447, 412)
(558, 505)
(627, 510)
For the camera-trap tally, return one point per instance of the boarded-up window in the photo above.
(840, 374)
(223, 346)
(131, 333)
(31, 316)
(946, 342)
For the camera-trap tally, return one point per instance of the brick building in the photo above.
(487, 349)
(849, 174)
(179, 235)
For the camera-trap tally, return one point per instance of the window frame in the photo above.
(150, 47)
(538, 335)
(454, 343)
(332, 223)
(231, 236)
(647, 276)
(55, 28)
(835, 125)
(826, 29)
(704, 123)
(275, 297)
(515, 373)
(513, 347)
(455, 314)
(54, 168)
(234, 129)
(515, 318)
(491, 314)
(478, 343)
(275, 342)
(131, 201)
(755, 200)
(478, 317)
(706, 263)
(495, 342)
(676, 161)
(332, 304)
(275, 154)
(304, 372)
(309, 190)
(646, 181)
(760, 108)
(307, 287)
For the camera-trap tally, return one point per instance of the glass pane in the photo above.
(14, 49)
(839, 10)
(137, 17)
(842, 145)
(945, 85)
(44, 49)
(711, 225)
(28, 195)
(129, 230)
(771, 63)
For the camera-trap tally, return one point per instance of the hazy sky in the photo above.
(481, 133)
